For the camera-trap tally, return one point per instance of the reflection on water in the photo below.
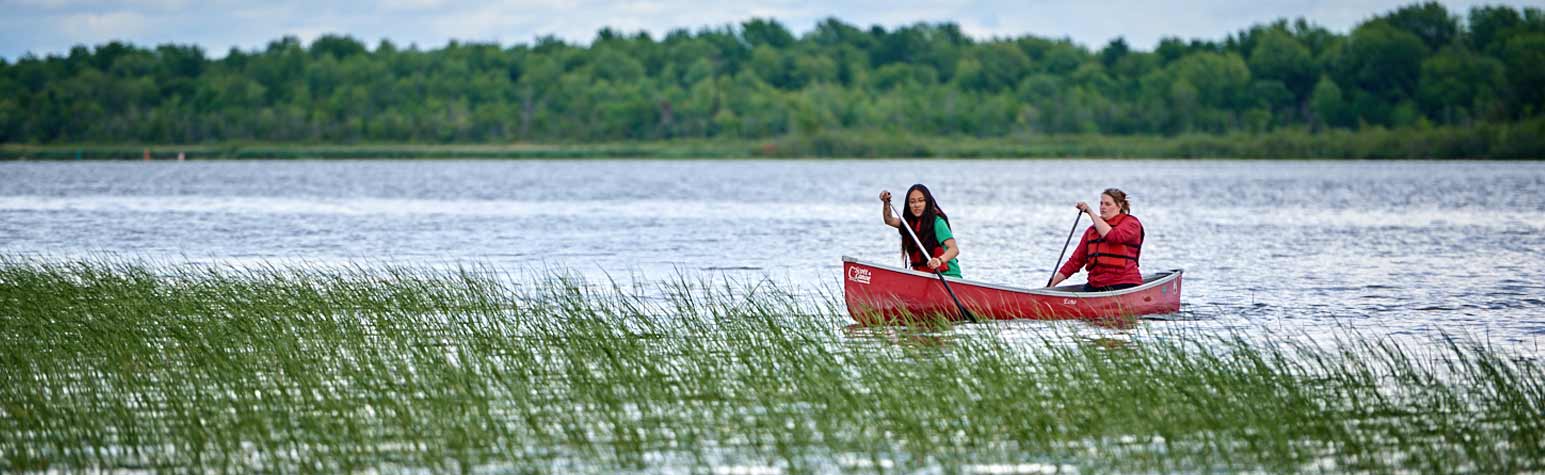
(917, 335)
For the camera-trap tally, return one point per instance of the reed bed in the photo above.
(126, 366)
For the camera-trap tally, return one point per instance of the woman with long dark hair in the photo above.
(1110, 248)
(932, 227)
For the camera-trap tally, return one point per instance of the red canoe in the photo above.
(877, 293)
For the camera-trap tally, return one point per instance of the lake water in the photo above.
(1395, 248)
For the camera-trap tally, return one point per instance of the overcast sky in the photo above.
(45, 27)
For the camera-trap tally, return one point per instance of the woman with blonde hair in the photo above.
(1110, 248)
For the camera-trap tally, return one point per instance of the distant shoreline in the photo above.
(1514, 141)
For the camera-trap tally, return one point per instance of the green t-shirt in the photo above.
(941, 232)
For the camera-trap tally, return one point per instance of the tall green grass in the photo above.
(120, 365)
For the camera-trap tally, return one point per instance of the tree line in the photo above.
(1416, 66)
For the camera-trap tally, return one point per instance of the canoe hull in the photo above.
(882, 294)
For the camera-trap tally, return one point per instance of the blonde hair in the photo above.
(1120, 197)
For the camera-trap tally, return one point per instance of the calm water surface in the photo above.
(1397, 248)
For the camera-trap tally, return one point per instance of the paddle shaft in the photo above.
(1064, 248)
(940, 275)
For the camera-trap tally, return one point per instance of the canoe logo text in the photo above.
(859, 275)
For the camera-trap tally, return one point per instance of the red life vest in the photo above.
(1101, 253)
(918, 262)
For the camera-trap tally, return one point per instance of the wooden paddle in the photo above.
(940, 275)
(1064, 248)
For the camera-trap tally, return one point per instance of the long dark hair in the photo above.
(925, 232)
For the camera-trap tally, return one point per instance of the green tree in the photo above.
(1062, 59)
(339, 47)
(1001, 66)
(893, 76)
(1220, 79)
(1408, 67)
(771, 65)
(1524, 56)
(1457, 84)
(766, 32)
(537, 83)
(817, 109)
(1185, 101)
(615, 66)
(1490, 27)
(1114, 51)
(1429, 21)
(1170, 49)
(1280, 57)
(1272, 95)
(1329, 106)
(810, 70)
(1382, 64)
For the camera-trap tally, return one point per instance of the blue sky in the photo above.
(52, 26)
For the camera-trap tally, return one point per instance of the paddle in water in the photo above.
(1064, 248)
(940, 275)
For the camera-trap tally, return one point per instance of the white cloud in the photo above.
(104, 26)
(264, 13)
(161, 5)
(482, 24)
(542, 4)
(645, 8)
(308, 33)
(44, 3)
(100, 5)
(412, 5)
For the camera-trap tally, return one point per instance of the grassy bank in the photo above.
(115, 365)
(1524, 140)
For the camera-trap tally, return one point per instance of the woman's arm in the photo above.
(1080, 257)
(950, 252)
(1100, 226)
(1130, 232)
(885, 210)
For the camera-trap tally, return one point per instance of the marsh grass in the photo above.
(1518, 140)
(119, 365)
